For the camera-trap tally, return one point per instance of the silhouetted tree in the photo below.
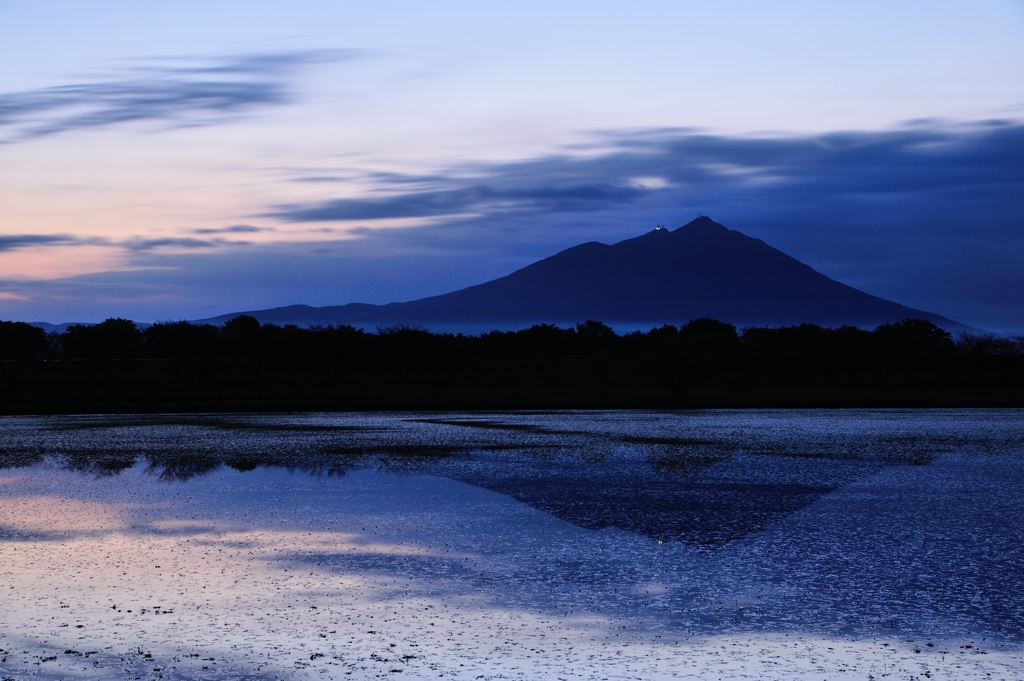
(988, 350)
(113, 338)
(914, 343)
(19, 340)
(682, 356)
(706, 335)
(180, 340)
(184, 345)
(546, 339)
(594, 337)
(338, 347)
(919, 334)
(242, 337)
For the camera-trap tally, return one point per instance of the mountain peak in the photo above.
(701, 269)
(703, 225)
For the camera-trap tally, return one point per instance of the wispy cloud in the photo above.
(666, 170)
(173, 242)
(11, 242)
(171, 92)
(14, 242)
(490, 198)
(233, 229)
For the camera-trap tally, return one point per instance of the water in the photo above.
(575, 545)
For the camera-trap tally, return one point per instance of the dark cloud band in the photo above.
(488, 198)
(13, 242)
(706, 169)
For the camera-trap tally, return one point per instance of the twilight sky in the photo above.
(182, 160)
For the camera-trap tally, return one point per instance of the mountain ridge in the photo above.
(702, 269)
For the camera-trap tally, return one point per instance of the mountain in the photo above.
(701, 269)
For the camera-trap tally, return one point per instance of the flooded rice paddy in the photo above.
(554, 545)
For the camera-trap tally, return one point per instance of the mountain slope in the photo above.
(699, 270)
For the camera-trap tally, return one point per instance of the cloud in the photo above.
(916, 172)
(13, 242)
(571, 198)
(139, 244)
(984, 160)
(233, 229)
(174, 93)
(135, 244)
(313, 179)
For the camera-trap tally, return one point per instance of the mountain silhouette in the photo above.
(700, 270)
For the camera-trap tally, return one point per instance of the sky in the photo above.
(163, 161)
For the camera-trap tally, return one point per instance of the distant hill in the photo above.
(61, 328)
(665, 276)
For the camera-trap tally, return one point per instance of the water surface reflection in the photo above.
(614, 542)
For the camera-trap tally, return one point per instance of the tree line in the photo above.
(244, 337)
(704, 357)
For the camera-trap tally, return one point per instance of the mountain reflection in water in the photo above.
(701, 478)
(720, 544)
